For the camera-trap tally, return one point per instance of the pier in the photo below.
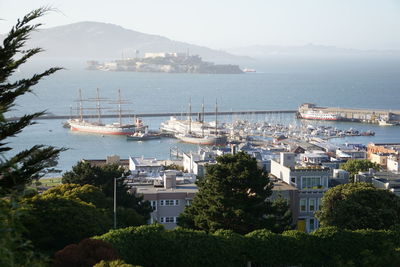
(162, 114)
(354, 114)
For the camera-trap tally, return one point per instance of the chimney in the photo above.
(170, 179)
(113, 159)
(288, 159)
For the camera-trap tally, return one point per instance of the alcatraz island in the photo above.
(165, 62)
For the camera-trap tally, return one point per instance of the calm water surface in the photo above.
(364, 84)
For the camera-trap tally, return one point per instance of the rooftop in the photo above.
(180, 188)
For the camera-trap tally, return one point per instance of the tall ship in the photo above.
(80, 124)
(196, 132)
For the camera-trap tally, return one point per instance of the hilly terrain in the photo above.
(100, 41)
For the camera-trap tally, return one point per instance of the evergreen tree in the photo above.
(30, 164)
(232, 195)
(103, 177)
(281, 218)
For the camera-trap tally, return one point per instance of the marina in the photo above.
(270, 98)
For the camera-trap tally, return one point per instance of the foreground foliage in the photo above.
(26, 166)
(83, 173)
(19, 170)
(53, 221)
(154, 246)
(359, 206)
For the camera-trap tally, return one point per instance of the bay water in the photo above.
(358, 83)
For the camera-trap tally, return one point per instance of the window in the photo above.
(310, 182)
(168, 219)
(169, 202)
(303, 203)
(153, 204)
(293, 180)
(311, 204)
(188, 202)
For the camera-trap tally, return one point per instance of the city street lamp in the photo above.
(115, 199)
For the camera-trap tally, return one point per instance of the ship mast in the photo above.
(80, 105)
(216, 117)
(202, 118)
(119, 107)
(190, 115)
(98, 106)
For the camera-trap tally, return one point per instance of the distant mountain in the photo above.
(263, 51)
(95, 40)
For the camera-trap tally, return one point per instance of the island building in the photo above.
(169, 62)
(165, 55)
(312, 181)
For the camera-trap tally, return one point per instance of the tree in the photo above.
(53, 221)
(232, 196)
(29, 164)
(103, 177)
(359, 206)
(353, 166)
(87, 193)
(280, 219)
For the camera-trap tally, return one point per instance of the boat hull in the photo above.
(142, 138)
(321, 119)
(103, 129)
(207, 141)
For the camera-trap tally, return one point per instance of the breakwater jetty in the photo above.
(164, 114)
(349, 114)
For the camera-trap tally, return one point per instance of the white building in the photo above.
(142, 164)
(392, 164)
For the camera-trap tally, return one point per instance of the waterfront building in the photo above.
(312, 181)
(113, 159)
(142, 164)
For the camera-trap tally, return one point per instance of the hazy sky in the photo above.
(363, 24)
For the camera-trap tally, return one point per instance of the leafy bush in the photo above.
(85, 254)
(154, 246)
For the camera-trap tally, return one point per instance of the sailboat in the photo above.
(116, 128)
(210, 140)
